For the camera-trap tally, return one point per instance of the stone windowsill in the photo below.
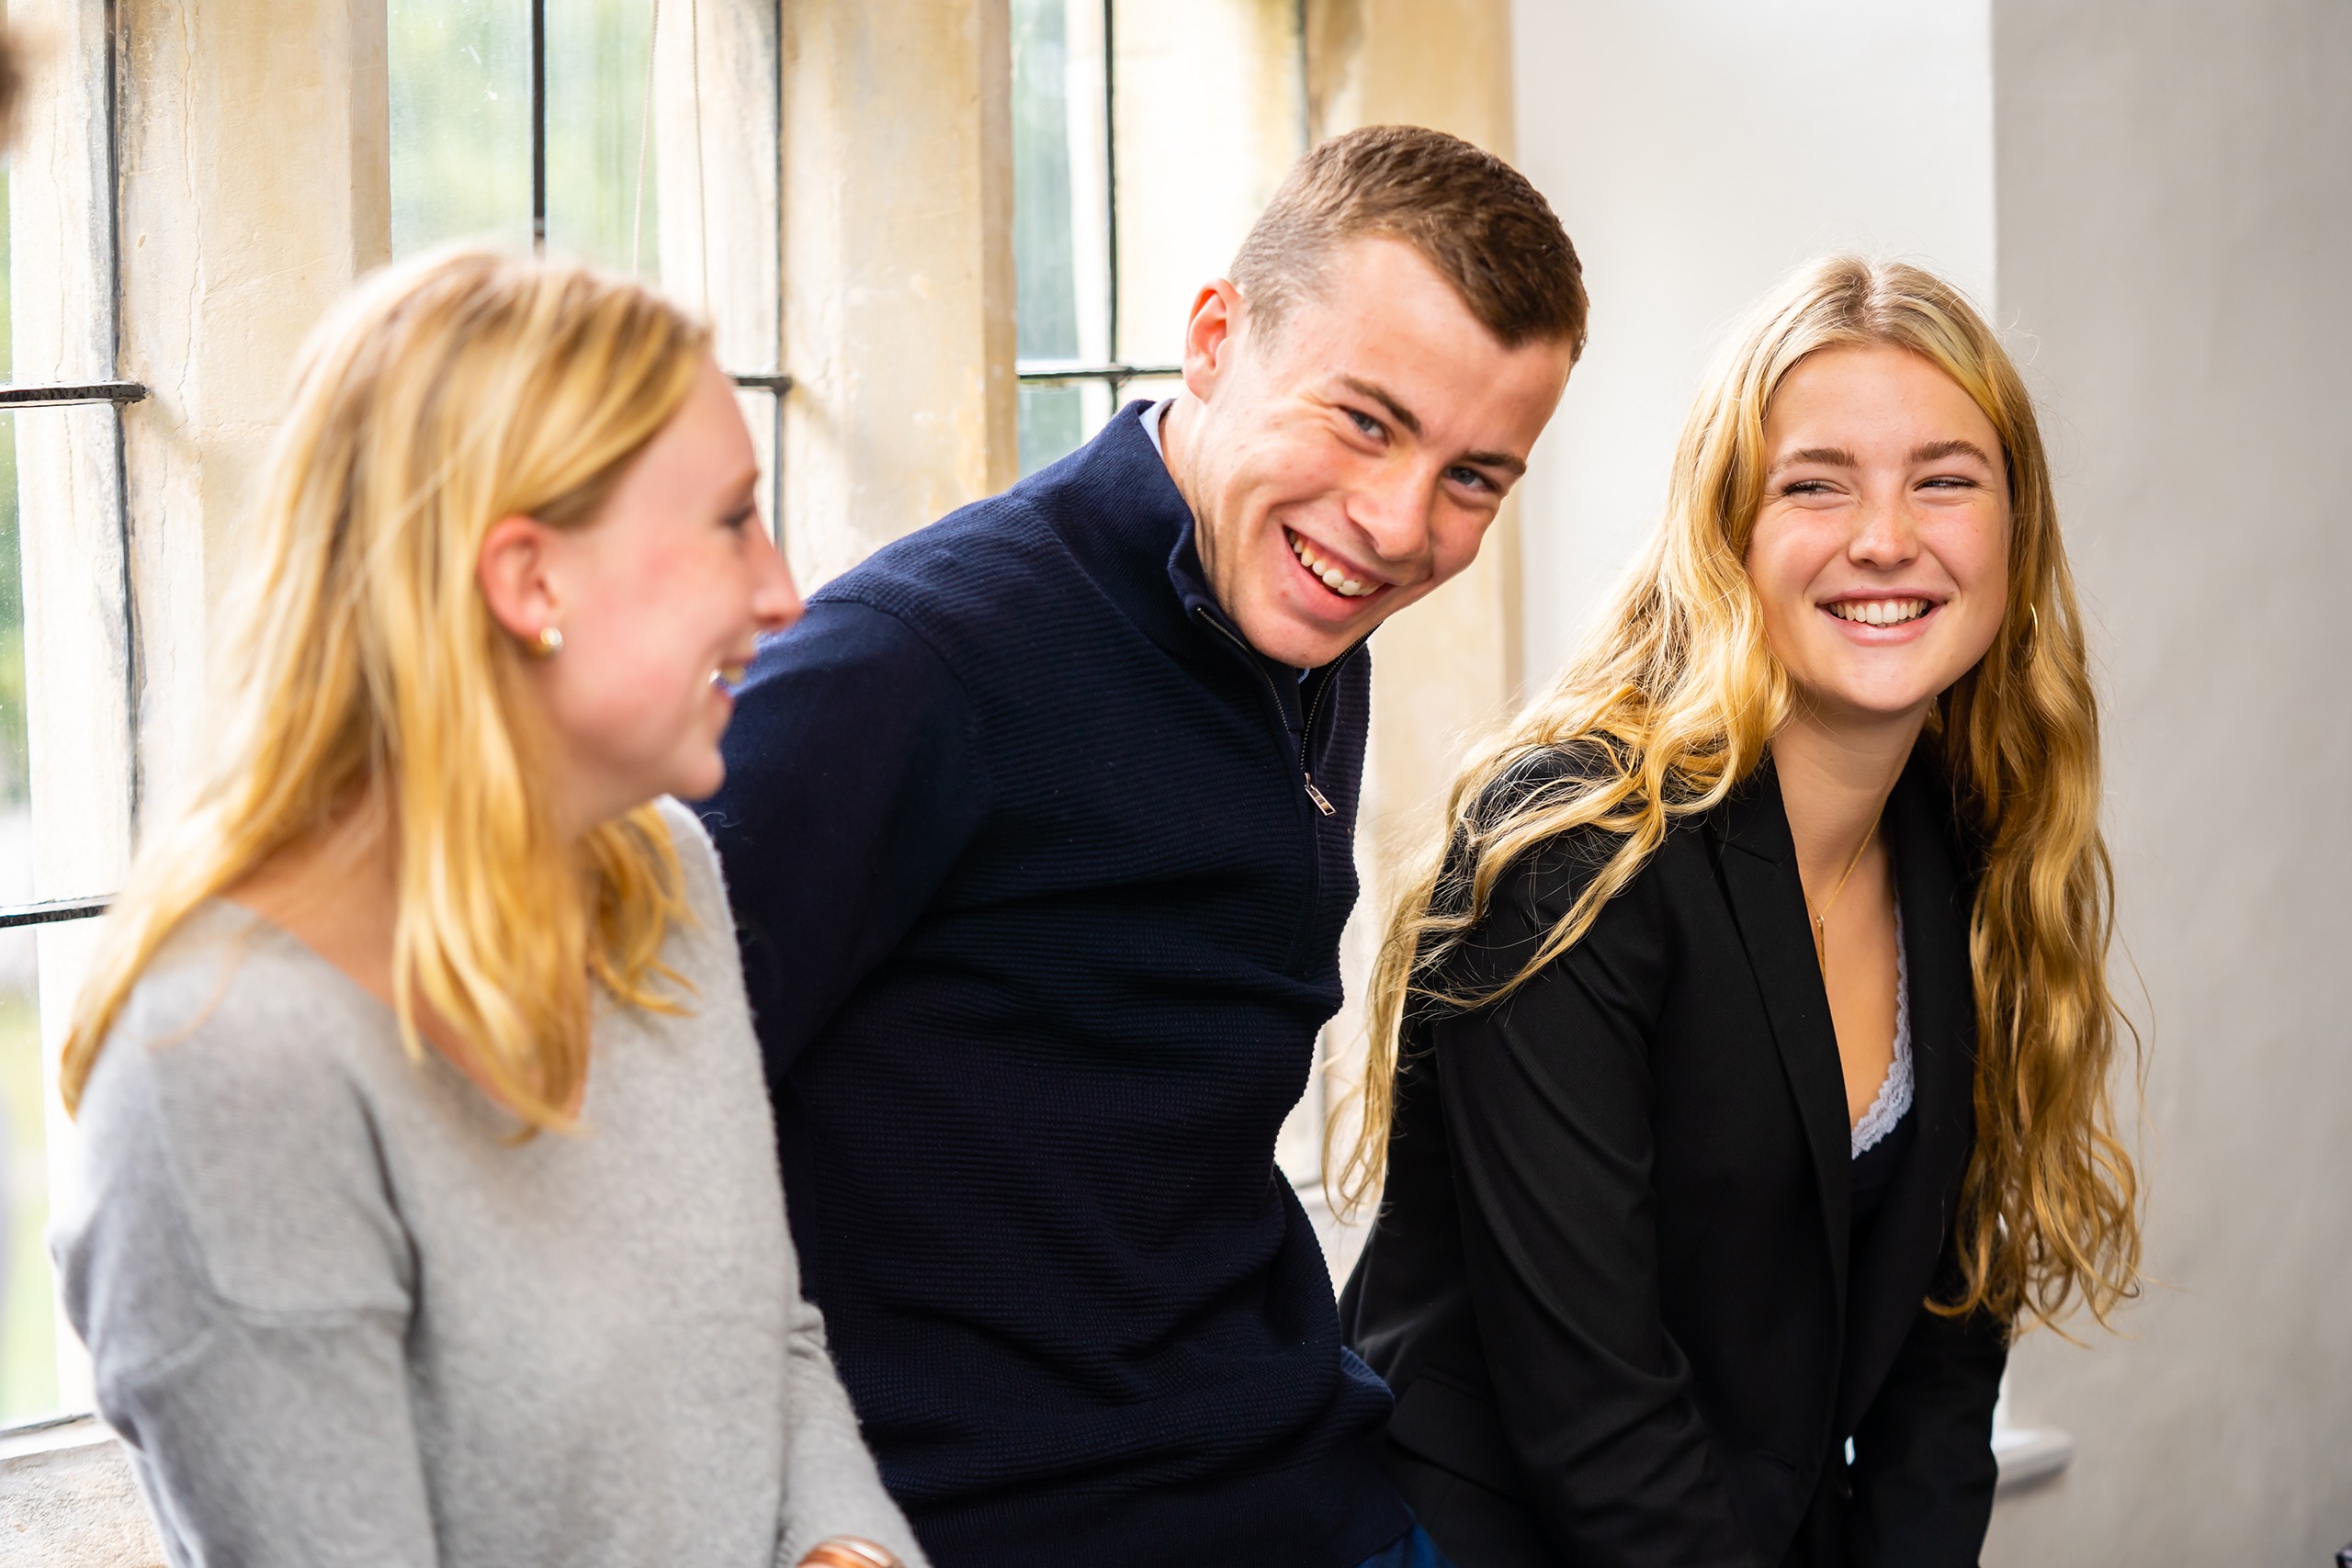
(67, 1500)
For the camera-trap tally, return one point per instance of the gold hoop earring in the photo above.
(547, 645)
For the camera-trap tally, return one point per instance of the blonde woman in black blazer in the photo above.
(1740, 1076)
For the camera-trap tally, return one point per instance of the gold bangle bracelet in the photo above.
(849, 1551)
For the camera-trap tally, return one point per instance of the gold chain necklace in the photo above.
(1821, 918)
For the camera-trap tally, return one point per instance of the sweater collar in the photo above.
(1128, 523)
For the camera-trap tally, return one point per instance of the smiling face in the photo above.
(1879, 553)
(659, 600)
(1348, 462)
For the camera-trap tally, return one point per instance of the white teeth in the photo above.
(1337, 581)
(1880, 611)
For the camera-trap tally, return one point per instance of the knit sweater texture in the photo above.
(341, 1315)
(1040, 872)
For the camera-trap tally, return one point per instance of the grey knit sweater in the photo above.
(340, 1316)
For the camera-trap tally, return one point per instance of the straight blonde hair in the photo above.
(1672, 703)
(360, 666)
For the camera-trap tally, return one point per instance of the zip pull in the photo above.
(1315, 796)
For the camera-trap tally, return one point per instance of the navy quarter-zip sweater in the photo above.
(1040, 913)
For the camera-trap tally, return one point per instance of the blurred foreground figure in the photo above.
(1740, 1073)
(1040, 831)
(432, 1210)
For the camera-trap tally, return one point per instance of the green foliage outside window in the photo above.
(462, 127)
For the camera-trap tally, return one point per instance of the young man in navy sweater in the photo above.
(1038, 832)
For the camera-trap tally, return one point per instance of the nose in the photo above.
(1887, 534)
(1392, 513)
(775, 598)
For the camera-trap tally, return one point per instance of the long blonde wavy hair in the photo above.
(1672, 703)
(360, 668)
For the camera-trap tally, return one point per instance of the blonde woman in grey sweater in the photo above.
(433, 1213)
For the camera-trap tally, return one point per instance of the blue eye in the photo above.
(1469, 477)
(1365, 423)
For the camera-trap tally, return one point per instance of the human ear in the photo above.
(1208, 336)
(516, 572)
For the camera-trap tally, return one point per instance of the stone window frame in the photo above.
(82, 655)
(199, 179)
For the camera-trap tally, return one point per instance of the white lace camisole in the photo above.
(1894, 1098)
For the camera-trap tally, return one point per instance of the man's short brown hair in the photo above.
(1473, 216)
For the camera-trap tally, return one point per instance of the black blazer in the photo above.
(1614, 1284)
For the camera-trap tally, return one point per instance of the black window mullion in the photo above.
(48, 911)
(540, 127)
(51, 395)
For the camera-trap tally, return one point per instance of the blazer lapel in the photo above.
(1896, 1269)
(1759, 864)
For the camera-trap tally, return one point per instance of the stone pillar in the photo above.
(255, 188)
(715, 128)
(1443, 64)
(898, 274)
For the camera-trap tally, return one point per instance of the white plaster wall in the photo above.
(1697, 150)
(2176, 221)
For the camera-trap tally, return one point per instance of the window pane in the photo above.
(599, 94)
(1210, 113)
(1060, 233)
(462, 121)
(1151, 389)
(1058, 417)
(1207, 113)
(14, 766)
(1047, 303)
(27, 1325)
(28, 1322)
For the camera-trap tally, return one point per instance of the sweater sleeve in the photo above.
(828, 1476)
(1548, 1107)
(250, 1353)
(852, 784)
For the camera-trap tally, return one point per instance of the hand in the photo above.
(849, 1551)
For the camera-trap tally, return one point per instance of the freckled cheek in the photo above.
(1989, 569)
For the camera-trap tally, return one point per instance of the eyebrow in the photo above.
(1828, 457)
(1936, 451)
(1839, 457)
(1396, 411)
(1405, 417)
